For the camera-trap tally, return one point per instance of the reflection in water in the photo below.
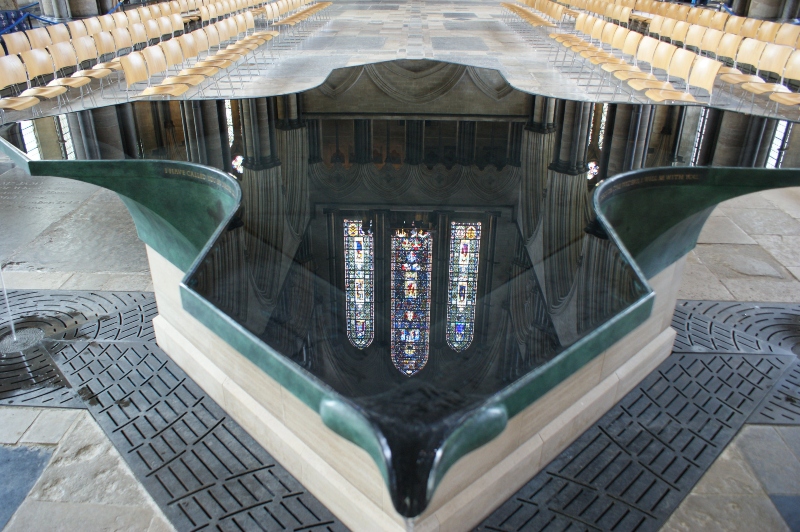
(452, 243)
(411, 299)
(465, 242)
(359, 283)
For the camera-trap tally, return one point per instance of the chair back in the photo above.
(39, 38)
(718, 20)
(107, 22)
(704, 72)
(12, 71)
(177, 23)
(768, 31)
(165, 26)
(792, 70)
(122, 40)
(104, 42)
(16, 42)
(63, 55)
(681, 64)
(155, 59)
(38, 63)
(138, 35)
(85, 49)
(76, 29)
(134, 68)
(750, 27)
(694, 15)
(705, 18)
(728, 46)
(663, 56)
(678, 34)
(750, 52)
(667, 27)
(172, 52)
(655, 25)
(788, 35)
(647, 48)
(93, 26)
(632, 41)
(694, 37)
(58, 33)
(153, 31)
(774, 59)
(134, 17)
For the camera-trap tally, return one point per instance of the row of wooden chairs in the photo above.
(152, 65)
(168, 17)
(553, 12)
(768, 32)
(75, 62)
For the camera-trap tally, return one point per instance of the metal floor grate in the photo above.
(633, 467)
(200, 467)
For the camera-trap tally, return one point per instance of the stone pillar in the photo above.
(514, 151)
(128, 130)
(48, 138)
(107, 129)
(572, 137)
(415, 141)
(84, 137)
(56, 9)
(537, 152)
(258, 132)
(314, 141)
(465, 144)
(84, 8)
(362, 131)
(729, 148)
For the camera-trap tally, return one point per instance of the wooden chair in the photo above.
(704, 72)
(694, 38)
(165, 27)
(153, 32)
(694, 15)
(39, 66)
(705, 18)
(771, 60)
(38, 38)
(767, 31)
(106, 51)
(65, 63)
(750, 27)
(58, 33)
(157, 66)
(710, 43)
(679, 67)
(788, 35)
(728, 50)
(679, 32)
(661, 61)
(76, 29)
(107, 22)
(176, 21)
(16, 42)
(144, 14)
(138, 36)
(718, 20)
(87, 60)
(120, 19)
(134, 17)
(790, 72)
(654, 29)
(173, 54)
(13, 74)
(122, 41)
(93, 26)
(135, 70)
(666, 29)
(734, 25)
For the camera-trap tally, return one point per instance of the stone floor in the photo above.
(73, 477)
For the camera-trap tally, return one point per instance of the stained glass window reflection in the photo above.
(359, 284)
(411, 299)
(462, 292)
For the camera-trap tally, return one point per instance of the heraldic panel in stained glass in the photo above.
(462, 291)
(411, 299)
(359, 284)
